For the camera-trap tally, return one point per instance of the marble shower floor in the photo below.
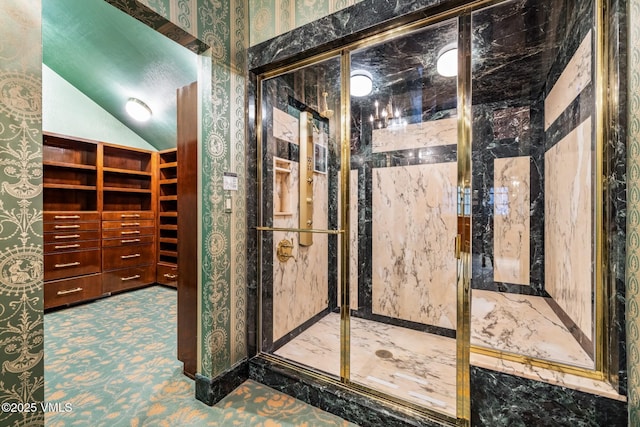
(420, 367)
(409, 364)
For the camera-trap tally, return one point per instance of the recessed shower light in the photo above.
(138, 110)
(447, 62)
(361, 83)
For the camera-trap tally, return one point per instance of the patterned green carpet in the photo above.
(113, 363)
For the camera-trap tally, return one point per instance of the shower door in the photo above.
(360, 220)
(299, 176)
(404, 207)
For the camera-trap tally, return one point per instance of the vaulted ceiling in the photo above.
(110, 57)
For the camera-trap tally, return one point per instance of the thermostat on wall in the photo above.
(230, 181)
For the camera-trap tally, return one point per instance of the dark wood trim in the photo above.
(187, 229)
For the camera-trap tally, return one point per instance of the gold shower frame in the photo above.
(605, 107)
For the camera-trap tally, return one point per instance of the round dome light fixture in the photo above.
(361, 83)
(138, 110)
(447, 62)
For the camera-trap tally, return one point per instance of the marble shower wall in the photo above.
(511, 219)
(414, 221)
(569, 197)
(300, 285)
(568, 226)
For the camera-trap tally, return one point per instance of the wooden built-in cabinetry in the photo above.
(167, 267)
(99, 219)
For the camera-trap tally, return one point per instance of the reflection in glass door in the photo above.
(299, 181)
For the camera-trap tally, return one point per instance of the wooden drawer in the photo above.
(127, 278)
(167, 274)
(67, 291)
(71, 236)
(109, 225)
(127, 256)
(73, 216)
(81, 245)
(127, 215)
(58, 227)
(114, 233)
(70, 264)
(128, 240)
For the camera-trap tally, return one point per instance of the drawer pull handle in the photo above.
(130, 224)
(58, 227)
(75, 245)
(170, 276)
(129, 256)
(68, 236)
(124, 279)
(69, 291)
(67, 217)
(130, 232)
(130, 216)
(70, 264)
(129, 241)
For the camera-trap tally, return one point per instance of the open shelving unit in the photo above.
(167, 263)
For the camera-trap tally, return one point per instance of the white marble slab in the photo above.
(413, 230)
(412, 365)
(575, 77)
(285, 126)
(568, 226)
(511, 220)
(525, 325)
(416, 135)
(300, 285)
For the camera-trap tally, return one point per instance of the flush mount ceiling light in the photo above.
(138, 110)
(361, 83)
(447, 63)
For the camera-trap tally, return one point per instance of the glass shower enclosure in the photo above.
(428, 200)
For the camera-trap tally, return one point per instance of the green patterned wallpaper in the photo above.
(21, 257)
(270, 18)
(633, 215)
(223, 26)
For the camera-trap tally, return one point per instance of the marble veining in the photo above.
(416, 135)
(414, 225)
(574, 78)
(412, 365)
(300, 285)
(511, 218)
(525, 325)
(568, 226)
(285, 126)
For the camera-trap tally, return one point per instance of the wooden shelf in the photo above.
(68, 165)
(167, 208)
(70, 187)
(127, 172)
(127, 190)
